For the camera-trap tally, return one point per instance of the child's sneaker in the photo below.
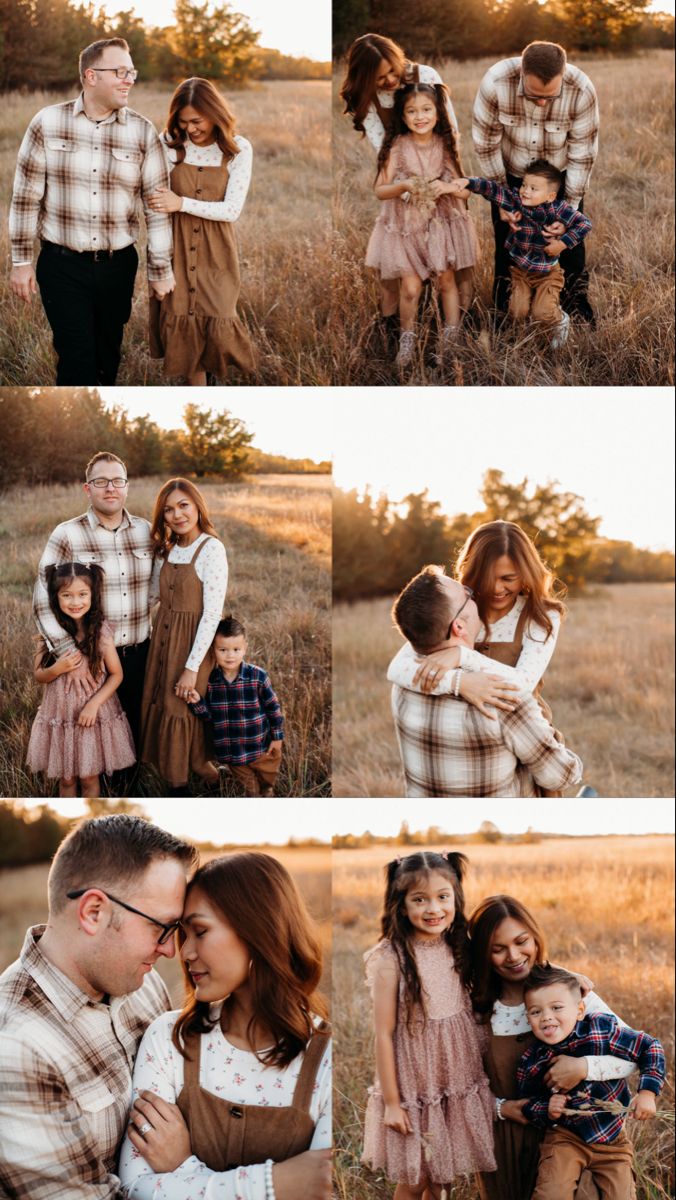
(389, 332)
(407, 341)
(560, 333)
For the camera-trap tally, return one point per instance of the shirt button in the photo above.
(199, 192)
(195, 230)
(191, 289)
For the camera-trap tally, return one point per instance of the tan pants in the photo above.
(257, 775)
(536, 293)
(563, 1158)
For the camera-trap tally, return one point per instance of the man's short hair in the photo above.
(111, 853)
(421, 610)
(92, 54)
(103, 456)
(545, 60)
(546, 975)
(547, 170)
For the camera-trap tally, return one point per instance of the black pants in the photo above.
(130, 691)
(574, 298)
(88, 303)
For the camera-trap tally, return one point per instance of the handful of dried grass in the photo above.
(421, 196)
(612, 1106)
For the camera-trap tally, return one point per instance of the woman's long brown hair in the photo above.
(398, 128)
(363, 62)
(479, 975)
(163, 539)
(201, 95)
(261, 903)
(474, 565)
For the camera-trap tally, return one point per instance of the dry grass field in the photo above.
(630, 249)
(23, 892)
(277, 531)
(610, 685)
(606, 905)
(283, 240)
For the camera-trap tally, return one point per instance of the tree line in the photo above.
(50, 434)
(433, 30)
(379, 544)
(40, 41)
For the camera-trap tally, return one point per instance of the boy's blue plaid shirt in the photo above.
(598, 1034)
(245, 714)
(526, 245)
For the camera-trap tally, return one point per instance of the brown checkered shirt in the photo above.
(449, 748)
(510, 131)
(65, 1078)
(78, 184)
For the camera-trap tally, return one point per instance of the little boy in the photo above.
(537, 278)
(594, 1140)
(248, 726)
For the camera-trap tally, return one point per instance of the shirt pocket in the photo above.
(60, 144)
(126, 165)
(93, 1097)
(508, 121)
(144, 560)
(556, 134)
(86, 557)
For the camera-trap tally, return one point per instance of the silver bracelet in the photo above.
(498, 1109)
(269, 1185)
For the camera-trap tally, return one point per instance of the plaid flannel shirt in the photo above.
(509, 131)
(526, 245)
(449, 748)
(78, 184)
(245, 714)
(65, 1078)
(126, 556)
(601, 1033)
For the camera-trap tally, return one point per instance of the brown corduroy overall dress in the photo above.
(172, 738)
(224, 1135)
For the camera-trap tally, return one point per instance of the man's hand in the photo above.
(643, 1106)
(307, 1175)
(167, 1143)
(513, 219)
(162, 287)
(557, 1103)
(22, 282)
(555, 248)
(565, 1072)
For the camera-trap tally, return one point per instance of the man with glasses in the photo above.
(121, 544)
(83, 168)
(449, 747)
(74, 1006)
(538, 106)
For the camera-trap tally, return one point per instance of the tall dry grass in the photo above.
(606, 906)
(282, 233)
(610, 685)
(276, 531)
(630, 249)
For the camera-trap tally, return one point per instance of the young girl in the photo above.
(429, 1117)
(422, 230)
(196, 328)
(72, 740)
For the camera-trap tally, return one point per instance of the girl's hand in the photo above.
(439, 188)
(69, 662)
(513, 1111)
(185, 683)
(566, 1072)
(480, 689)
(557, 1103)
(88, 714)
(164, 200)
(643, 1106)
(435, 666)
(397, 1118)
(167, 1143)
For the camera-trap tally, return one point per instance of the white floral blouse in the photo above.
(239, 178)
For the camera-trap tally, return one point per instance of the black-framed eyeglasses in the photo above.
(120, 72)
(167, 930)
(118, 482)
(469, 592)
(535, 96)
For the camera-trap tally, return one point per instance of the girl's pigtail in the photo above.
(457, 862)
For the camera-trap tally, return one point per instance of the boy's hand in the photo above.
(557, 1103)
(643, 1106)
(88, 714)
(555, 248)
(275, 748)
(459, 188)
(192, 696)
(397, 1118)
(513, 219)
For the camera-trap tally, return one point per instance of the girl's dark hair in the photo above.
(400, 876)
(398, 128)
(201, 95)
(162, 537)
(479, 975)
(61, 575)
(363, 61)
(261, 903)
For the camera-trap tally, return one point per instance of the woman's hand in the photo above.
(643, 1107)
(555, 247)
(397, 1118)
(307, 1175)
(435, 666)
(513, 1111)
(565, 1072)
(554, 230)
(89, 713)
(165, 1142)
(185, 684)
(480, 689)
(165, 201)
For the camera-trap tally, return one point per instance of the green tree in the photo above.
(215, 443)
(216, 43)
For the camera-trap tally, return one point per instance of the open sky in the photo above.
(613, 447)
(302, 28)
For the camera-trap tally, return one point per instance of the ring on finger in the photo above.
(145, 1128)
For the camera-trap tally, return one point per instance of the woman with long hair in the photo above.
(195, 328)
(234, 1090)
(191, 575)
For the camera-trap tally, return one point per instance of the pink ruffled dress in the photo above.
(65, 750)
(441, 1080)
(405, 241)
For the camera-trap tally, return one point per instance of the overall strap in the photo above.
(199, 549)
(192, 1042)
(520, 626)
(305, 1083)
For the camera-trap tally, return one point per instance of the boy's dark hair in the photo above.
(421, 610)
(545, 60)
(546, 975)
(230, 627)
(546, 170)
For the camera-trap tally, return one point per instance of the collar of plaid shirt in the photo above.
(118, 114)
(65, 995)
